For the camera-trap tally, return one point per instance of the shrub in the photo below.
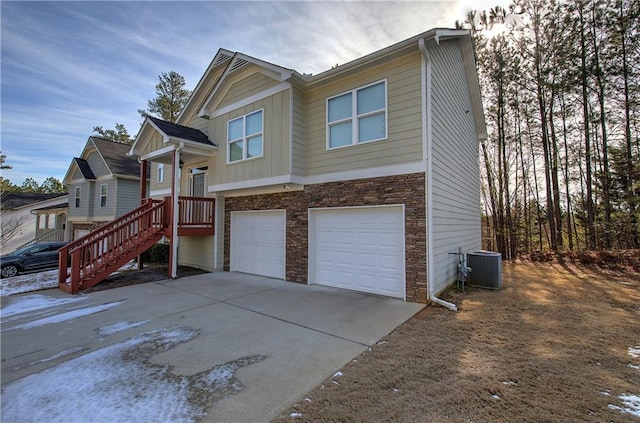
(158, 253)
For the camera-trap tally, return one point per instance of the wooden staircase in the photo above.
(103, 251)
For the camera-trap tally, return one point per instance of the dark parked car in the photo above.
(34, 257)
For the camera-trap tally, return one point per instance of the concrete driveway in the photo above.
(272, 341)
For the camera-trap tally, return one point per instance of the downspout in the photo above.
(427, 146)
(175, 211)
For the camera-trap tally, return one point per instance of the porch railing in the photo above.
(49, 236)
(195, 212)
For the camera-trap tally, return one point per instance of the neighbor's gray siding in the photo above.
(86, 199)
(97, 165)
(128, 195)
(456, 175)
(109, 209)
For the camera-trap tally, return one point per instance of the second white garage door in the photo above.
(258, 243)
(358, 248)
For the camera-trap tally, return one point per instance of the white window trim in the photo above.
(77, 197)
(355, 118)
(106, 192)
(244, 138)
(190, 177)
(160, 177)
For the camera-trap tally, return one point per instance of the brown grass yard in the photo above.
(556, 344)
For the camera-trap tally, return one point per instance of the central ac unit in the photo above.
(486, 269)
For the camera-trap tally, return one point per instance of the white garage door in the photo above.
(258, 243)
(358, 248)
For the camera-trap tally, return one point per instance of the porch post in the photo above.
(173, 257)
(144, 167)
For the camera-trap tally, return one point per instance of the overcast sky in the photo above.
(70, 66)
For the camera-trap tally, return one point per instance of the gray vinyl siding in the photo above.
(86, 199)
(298, 127)
(456, 175)
(77, 175)
(97, 165)
(128, 195)
(404, 119)
(109, 209)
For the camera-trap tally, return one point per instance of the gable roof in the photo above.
(85, 169)
(171, 129)
(15, 199)
(113, 155)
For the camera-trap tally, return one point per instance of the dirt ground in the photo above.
(556, 344)
(152, 272)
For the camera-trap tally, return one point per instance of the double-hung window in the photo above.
(358, 116)
(77, 197)
(103, 195)
(160, 178)
(245, 137)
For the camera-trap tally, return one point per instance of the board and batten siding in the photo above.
(249, 85)
(275, 158)
(189, 116)
(404, 114)
(456, 172)
(196, 251)
(298, 136)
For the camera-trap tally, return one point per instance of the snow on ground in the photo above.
(29, 282)
(631, 404)
(69, 315)
(118, 327)
(634, 351)
(125, 383)
(42, 280)
(35, 302)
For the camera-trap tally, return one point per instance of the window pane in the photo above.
(235, 129)
(371, 98)
(235, 151)
(339, 108)
(340, 135)
(371, 128)
(254, 123)
(254, 147)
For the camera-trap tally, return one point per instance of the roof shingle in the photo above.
(184, 132)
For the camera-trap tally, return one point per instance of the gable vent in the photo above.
(238, 64)
(222, 58)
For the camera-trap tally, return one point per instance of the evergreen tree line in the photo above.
(561, 91)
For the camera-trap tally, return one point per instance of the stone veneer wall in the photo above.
(401, 189)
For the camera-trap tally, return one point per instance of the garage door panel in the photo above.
(258, 243)
(358, 248)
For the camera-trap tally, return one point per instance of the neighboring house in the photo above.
(363, 177)
(19, 226)
(104, 183)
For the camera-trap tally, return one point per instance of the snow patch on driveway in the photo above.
(36, 302)
(118, 327)
(70, 315)
(29, 282)
(121, 384)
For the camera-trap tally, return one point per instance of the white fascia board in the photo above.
(135, 149)
(72, 165)
(158, 153)
(371, 172)
(283, 86)
(197, 146)
(449, 33)
(210, 69)
(276, 72)
(348, 175)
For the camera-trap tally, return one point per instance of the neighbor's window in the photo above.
(77, 197)
(245, 137)
(357, 116)
(160, 173)
(103, 195)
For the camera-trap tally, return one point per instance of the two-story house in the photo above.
(364, 177)
(104, 184)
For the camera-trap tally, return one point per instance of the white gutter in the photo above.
(427, 146)
(174, 209)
